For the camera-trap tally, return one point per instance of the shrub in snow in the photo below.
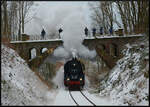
(127, 82)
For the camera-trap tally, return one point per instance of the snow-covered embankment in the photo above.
(20, 85)
(128, 81)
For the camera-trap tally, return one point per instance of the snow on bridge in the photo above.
(48, 40)
(111, 45)
(98, 37)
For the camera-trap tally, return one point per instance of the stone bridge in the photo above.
(108, 48)
(24, 47)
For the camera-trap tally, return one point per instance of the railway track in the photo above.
(87, 98)
(80, 98)
(73, 98)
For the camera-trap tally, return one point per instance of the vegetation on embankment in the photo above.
(128, 82)
(20, 86)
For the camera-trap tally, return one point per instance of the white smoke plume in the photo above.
(72, 19)
(73, 34)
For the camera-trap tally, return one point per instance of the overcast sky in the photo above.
(51, 15)
(71, 16)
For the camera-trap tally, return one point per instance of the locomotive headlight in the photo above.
(80, 79)
(68, 79)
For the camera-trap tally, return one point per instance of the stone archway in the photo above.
(113, 50)
(42, 50)
(32, 53)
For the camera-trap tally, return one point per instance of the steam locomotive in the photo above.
(73, 74)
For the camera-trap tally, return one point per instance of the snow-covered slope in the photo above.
(128, 81)
(20, 85)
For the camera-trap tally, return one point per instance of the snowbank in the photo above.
(127, 83)
(20, 85)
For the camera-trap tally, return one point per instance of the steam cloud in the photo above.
(73, 35)
(72, 19)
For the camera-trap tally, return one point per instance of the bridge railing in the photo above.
(25, 37)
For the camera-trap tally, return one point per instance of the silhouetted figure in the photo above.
(111, 31)
(94, 31)
(43, 33)
(60, 30)
(101, 31)
(86, 31)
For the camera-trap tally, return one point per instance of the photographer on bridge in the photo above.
(86, 31)
(101, 30)
(43, 34)
(94, 31)
(60, 30)
(111, 31)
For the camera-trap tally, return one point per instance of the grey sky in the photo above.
(50, 15)
(72, 17)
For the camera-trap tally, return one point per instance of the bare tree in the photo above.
(25, 10)
(13, 17)
(5, 19)
(13, 20)
(134, 15)
(103, 15)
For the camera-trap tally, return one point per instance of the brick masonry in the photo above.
(109, 48)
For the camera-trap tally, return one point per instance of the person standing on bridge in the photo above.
(43, 33)
(94, 31)
(60, 30)
(86, 31)
(111, 30)
(101, 30)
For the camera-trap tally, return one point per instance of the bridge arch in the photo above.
(32, 53)
(113, 50)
